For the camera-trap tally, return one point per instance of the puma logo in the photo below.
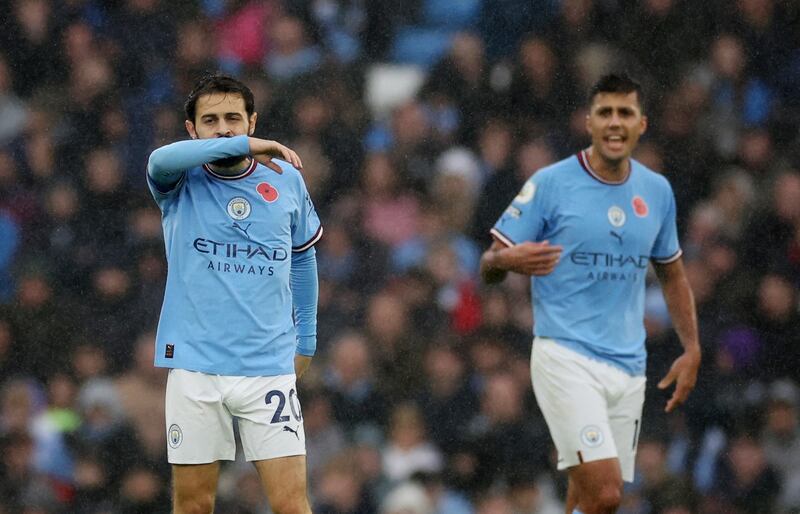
(618, 236)
(243, 229)
(292, 430)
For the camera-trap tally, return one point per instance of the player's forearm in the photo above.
(680, 301)
(492, 271)
(305, 291)
(166, 164)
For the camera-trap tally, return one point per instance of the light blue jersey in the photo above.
(593, 301)
(230, 243)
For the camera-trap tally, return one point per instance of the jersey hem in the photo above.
(582, 350)
(228, 373)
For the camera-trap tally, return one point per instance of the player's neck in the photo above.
(610, 171)
(233, 170)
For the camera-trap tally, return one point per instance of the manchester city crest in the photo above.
(592, 436)
(239, 208)
(174, 435)
(616, 216)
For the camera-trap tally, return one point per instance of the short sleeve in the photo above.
(306, 227)
(666, 248)
(525, 218)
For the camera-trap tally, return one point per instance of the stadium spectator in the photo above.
(781, 439)
(499, 442)
(324, 437)
(291, 55)
(12, 110)
(355, 396)
(408, 449)
(341, 489)
(140, 391)
(446, 399)
(746, 483)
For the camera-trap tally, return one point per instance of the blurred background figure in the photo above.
(408, 449)
(341, 489)
(781, 439)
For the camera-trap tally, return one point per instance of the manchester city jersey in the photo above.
(227, 304)
(593, 301)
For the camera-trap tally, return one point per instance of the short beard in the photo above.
(229, 162)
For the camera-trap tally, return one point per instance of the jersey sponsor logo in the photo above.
(611, 276)
(526, 193)
(611, 267)
(267, 192)
(174, 435)
(241, 269)
(236, 250)
(640, 207)
(609, 260)
(592, 436)
(238, 208)
(616, 216)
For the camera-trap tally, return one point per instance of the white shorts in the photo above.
(593, 409)
(200, 410)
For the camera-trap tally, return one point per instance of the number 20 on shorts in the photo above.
(294, 406)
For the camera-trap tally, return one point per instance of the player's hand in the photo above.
(684, 374)
(263, 150)
(301, 364)
(530, 258)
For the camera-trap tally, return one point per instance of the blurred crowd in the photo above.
(417, 122)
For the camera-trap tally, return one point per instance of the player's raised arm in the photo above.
(680, 302)
(167, 164)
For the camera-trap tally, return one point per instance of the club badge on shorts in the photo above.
(174, 436)
(592, 436)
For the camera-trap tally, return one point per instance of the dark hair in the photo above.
(617, 83)
(218, 83)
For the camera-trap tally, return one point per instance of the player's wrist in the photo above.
(692, 351)
(255, 145)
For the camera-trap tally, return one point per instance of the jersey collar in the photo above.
(247, 172)
(583, 158)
